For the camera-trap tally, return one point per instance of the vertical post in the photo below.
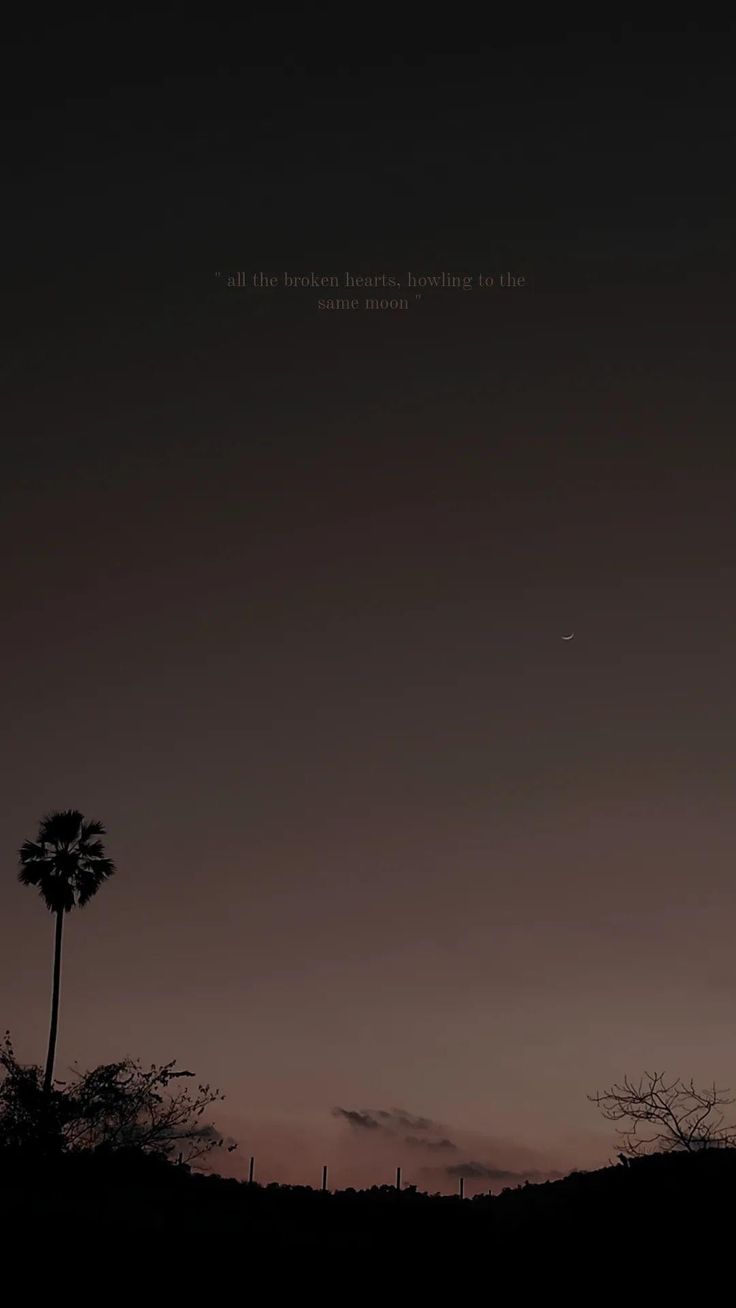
(398, 1178)
(324, 1177)
(250, 1169)
(462, 1187)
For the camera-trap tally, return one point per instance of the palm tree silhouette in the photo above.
(68, 863)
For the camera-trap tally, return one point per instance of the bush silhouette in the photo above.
(114, 1107)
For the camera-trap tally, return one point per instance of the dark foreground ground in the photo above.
(667, 1222)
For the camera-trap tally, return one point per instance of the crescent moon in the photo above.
(572, 633)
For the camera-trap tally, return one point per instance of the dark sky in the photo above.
(283, 589)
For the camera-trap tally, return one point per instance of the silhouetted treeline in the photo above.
(672, 1206)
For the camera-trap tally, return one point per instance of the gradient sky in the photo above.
(283, 591)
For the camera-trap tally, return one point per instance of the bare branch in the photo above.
(679, 1115)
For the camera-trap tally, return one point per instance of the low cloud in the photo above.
(399, 1117)
(396, 1127)
(396, 1122)
(429, 1144)
(294, 1151)
(363, 1121)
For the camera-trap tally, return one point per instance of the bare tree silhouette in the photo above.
(666, 1115)
(68, 864)
(117, 1106)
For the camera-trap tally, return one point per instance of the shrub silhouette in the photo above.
(114, 1107)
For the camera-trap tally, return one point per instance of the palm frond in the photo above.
(61, 828)
(92, 829)
(67, 862)
(29, 850)
(90, 876)
(93, 849)
(35, 872)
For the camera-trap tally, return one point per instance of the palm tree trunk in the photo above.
(48, 1079)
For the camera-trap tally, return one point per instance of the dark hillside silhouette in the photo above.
(117, 1152)
(660, 1209)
